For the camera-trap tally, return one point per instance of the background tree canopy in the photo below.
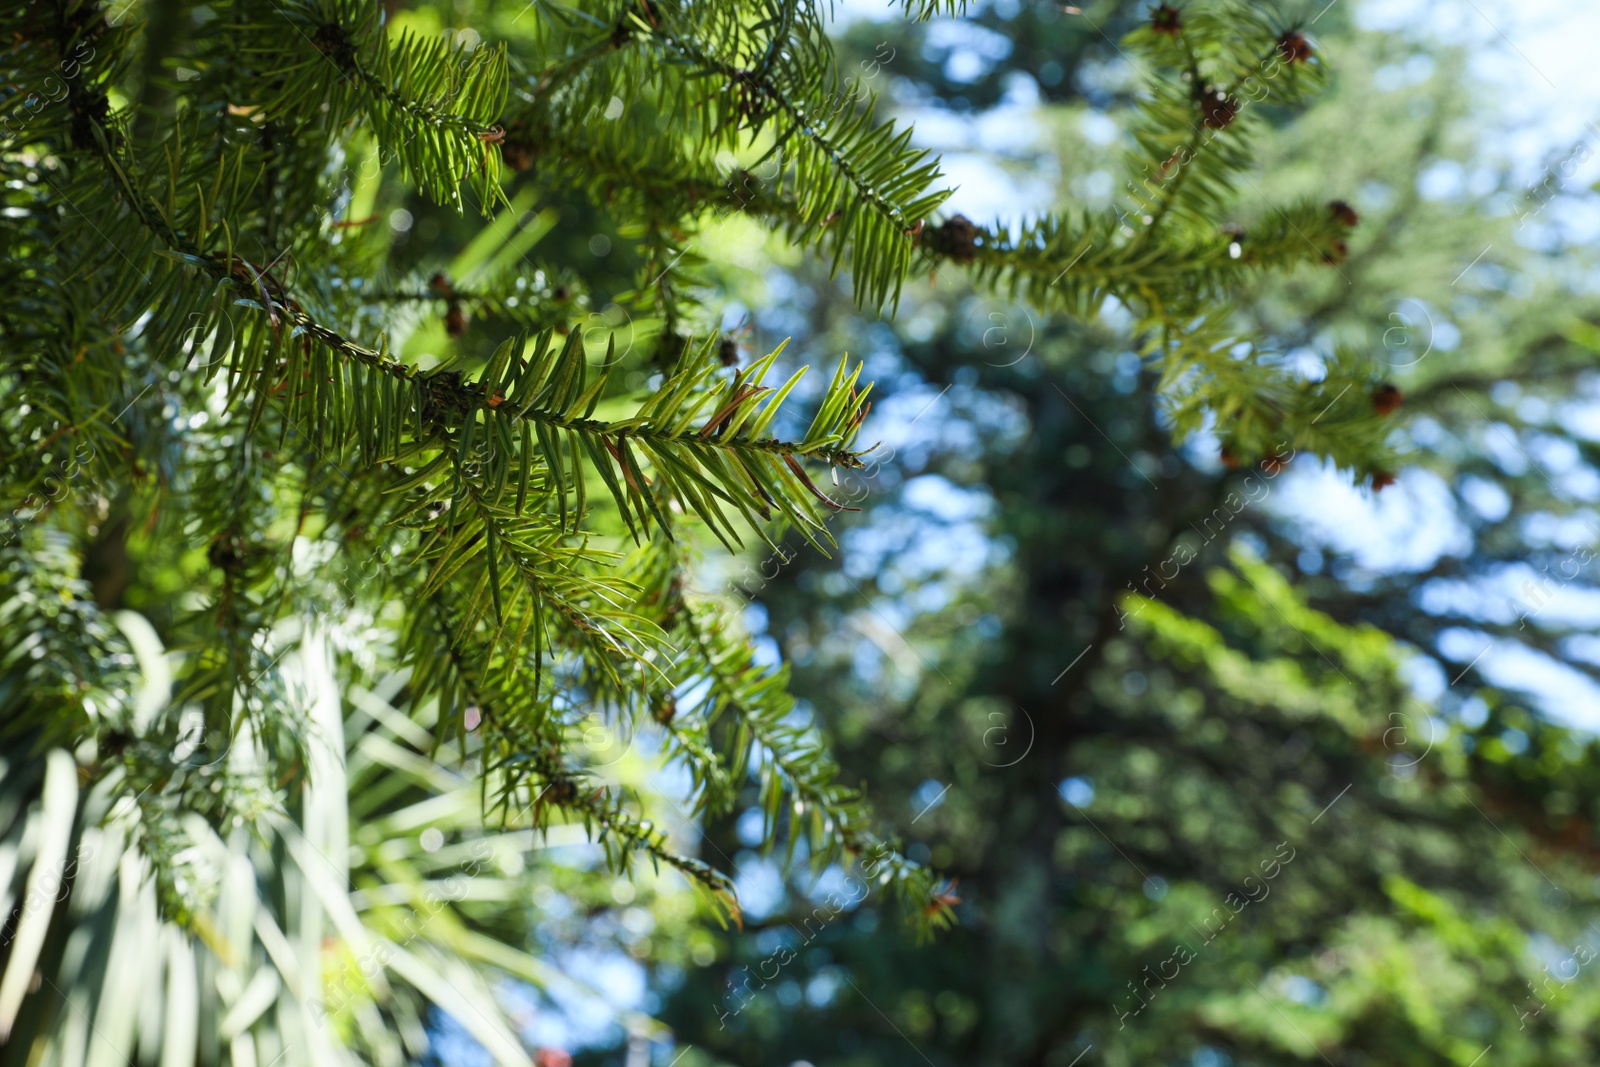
(442, 621)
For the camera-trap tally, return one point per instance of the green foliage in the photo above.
(245, 495)
(1112, 722)
(1168, 256)
(761, 82)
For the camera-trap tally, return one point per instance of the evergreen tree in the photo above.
(282, 586)
(1099, 810)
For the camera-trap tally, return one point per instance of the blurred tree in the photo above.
(1105, 770)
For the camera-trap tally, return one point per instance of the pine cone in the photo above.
(1344, 213)
(331, 40)
(225, 553)
(1217, 109)
(1166, 19)
(1386, 399)
(516, 145)
(956, 238)
(517, 153)
(728, 352)
(1294, 47)
(455, 320)
(1381, 480)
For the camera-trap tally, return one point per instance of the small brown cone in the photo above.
(518, 156)
(1218, 109)
(956, 238)
(1294, 48)
(1166, 19)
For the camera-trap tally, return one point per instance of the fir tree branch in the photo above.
(563, 788)
(1053, 264)
(549, 392)
(863, 176)
(831, 817)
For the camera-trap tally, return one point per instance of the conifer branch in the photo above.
(1052, 264)
(549, 392)
(564, 789)
(796, 772)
